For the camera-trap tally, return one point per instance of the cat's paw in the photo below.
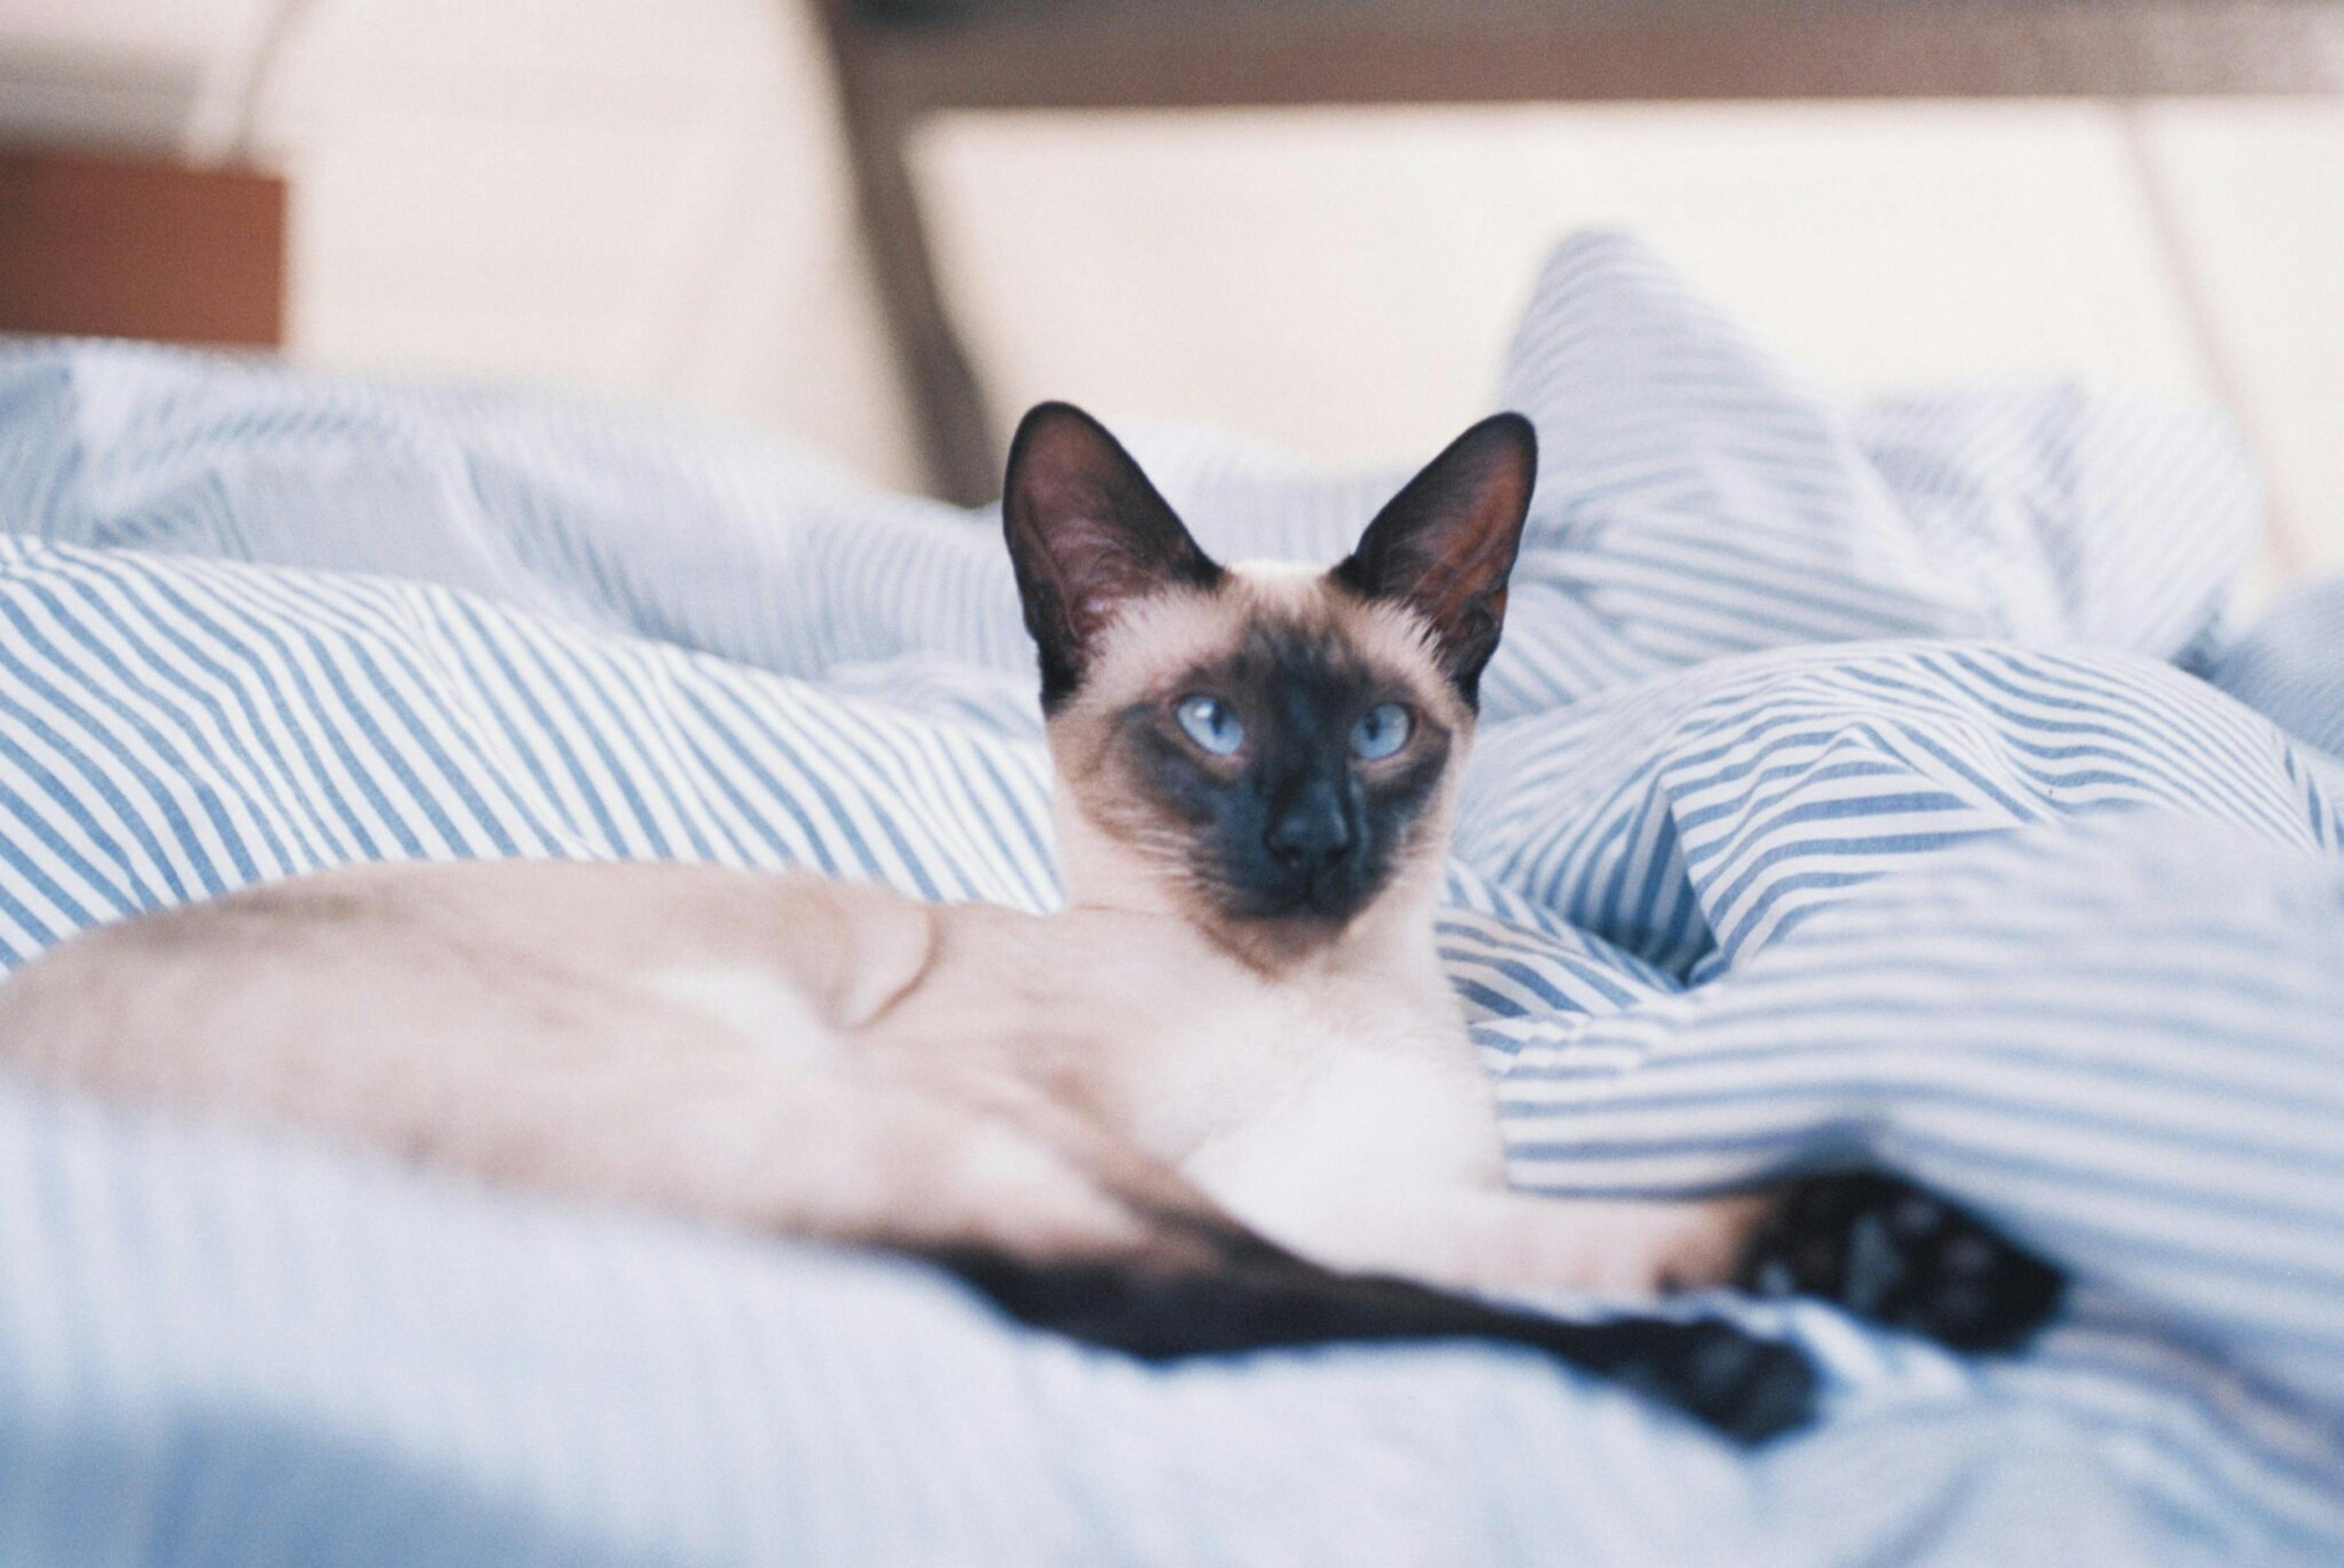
(1727, 1378)
(1889, 1252)
(1748, 1388)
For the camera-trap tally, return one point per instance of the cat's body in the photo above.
(789, 1053)
(1238, 1028)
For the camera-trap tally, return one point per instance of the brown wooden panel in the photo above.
(956, 433)
(128, 248)
(1203, 53)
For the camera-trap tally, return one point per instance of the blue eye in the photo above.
(1381, 731)
(1211, 723)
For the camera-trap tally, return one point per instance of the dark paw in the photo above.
(1747, 1388)
(1887, 1250)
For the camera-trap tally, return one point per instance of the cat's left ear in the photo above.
(1445, 544)
(1087, 534)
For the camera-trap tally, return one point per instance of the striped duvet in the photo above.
(1860, 777)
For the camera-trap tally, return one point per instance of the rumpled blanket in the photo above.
(1861, 779)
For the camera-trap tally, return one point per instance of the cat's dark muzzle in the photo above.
(1314, 862)
(1328, 893)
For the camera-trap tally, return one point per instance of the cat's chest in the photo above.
(1331, 1102)
(1237, 1053)
(1258, 1054)
(1203, 1062)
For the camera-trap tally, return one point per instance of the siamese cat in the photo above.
(1224, 1100)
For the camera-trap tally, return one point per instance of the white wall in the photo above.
(2260, 189)
(647, 197)
(646, 194)
(185, 28)
(1343, 281)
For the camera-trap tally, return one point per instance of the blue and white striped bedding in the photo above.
(1859, 778)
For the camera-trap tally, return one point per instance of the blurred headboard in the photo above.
(900, 59)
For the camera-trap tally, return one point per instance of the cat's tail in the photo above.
(1253, 1295)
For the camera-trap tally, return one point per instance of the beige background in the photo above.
(647, 194)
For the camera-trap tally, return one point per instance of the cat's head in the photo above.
(1269, 751)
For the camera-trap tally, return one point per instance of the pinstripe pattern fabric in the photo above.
(1840, 792)
(2290, 665)
(1692, 817)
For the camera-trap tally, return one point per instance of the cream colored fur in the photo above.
(780, 1052)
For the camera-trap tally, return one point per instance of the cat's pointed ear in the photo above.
(1445, 544)
(1087, 534)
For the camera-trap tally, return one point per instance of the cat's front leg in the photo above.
(1462, 1229)
(1490, 1239)
(1868, 1241)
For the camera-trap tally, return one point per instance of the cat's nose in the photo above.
(1311, 834)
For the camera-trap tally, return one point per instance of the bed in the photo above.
(1860, 778)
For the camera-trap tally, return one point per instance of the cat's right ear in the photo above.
(1445, 545)
(1087, 534)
